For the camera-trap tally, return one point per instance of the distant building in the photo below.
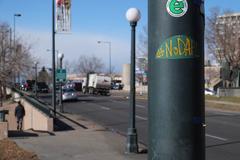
(126, 76)
(232, 20)
(228, 28)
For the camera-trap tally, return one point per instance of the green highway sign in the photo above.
(61, 75)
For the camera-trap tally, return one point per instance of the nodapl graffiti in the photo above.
(177, 47)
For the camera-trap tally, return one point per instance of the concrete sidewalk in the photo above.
(94, 143)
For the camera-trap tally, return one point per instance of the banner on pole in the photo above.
(63, 16)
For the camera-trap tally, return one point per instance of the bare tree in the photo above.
(87, 64)
(142, 61)
(222, 37)
(12, 59)
(143, 42)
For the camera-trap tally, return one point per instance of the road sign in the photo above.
(61, 75)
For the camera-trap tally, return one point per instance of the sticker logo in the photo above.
(177, 8)
(177, 47)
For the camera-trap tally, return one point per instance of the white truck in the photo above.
(97, 84)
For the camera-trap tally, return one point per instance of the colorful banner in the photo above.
(63, 16)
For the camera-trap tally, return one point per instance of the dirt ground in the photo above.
(9, 150)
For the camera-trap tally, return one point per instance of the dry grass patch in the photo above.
(9, 150)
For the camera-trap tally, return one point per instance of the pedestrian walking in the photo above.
(19, 114)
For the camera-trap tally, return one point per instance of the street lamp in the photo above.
(110, 46)
(60, 57)
(133, 15)
(36, 63)
(14, 35)
(53, 60)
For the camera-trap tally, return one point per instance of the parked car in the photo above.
(209, 92)
(69, 94)
(25, 86)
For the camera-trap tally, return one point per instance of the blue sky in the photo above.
(92, 20)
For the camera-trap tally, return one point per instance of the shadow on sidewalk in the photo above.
(14, 134)
(61, 126)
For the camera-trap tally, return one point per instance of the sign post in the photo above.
(176, 80)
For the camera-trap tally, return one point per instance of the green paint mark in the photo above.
(177, 47)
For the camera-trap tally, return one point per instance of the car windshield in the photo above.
(68, 90)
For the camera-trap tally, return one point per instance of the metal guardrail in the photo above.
(44, 107)
(38, 105)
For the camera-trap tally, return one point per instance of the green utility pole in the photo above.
(176, 80)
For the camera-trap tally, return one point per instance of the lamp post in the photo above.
(110, 54)
(53, 59)
(54, 52)
(60, 57)
(36, 63)
(14, 27)
(133, 15)
(14, 36)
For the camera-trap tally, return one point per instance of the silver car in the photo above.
(69, 94)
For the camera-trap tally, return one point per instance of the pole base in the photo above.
(132, 141)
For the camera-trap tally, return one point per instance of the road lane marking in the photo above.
(125, 103)
(140, 106)
(142, 118)
(105, 108)
(215, 137)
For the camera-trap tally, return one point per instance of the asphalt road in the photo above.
(222, 131)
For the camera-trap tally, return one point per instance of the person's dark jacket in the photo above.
(19, 111)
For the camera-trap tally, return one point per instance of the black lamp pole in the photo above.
(133, 15)
(36, 80)
(53, 59)
(14, 39)
(132, 140)
(60, 97)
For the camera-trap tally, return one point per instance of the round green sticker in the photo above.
(177, 8)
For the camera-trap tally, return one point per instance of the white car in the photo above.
(69, 94)
(209, 92)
